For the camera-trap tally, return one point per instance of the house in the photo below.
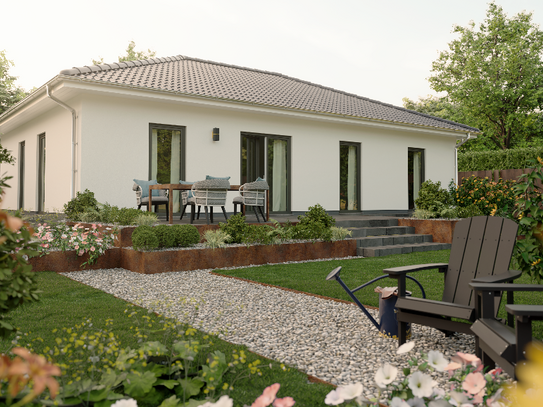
(99, 127)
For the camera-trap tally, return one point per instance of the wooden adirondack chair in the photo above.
(498, 343)
(481, 249)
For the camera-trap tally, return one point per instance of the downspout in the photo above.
(469, 137)
(74, 116)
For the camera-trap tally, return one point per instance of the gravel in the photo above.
(330, 340)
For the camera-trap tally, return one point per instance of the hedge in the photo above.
(497, 160)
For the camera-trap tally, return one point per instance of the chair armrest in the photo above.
(509, 275)
(505, 287)
(532, 311)
(397, 271)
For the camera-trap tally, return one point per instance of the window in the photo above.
(415, 173)
(41, 172)
(21, 197)
(349, 176)
(167, 157)
(268, 157)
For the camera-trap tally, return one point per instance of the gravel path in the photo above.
(331, 340)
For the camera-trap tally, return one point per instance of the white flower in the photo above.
(406, 347)
(421, 384)
(437, 360)
(459, 399)
(125, 403)
(362, 401)
(333, 398)
(416, 402)
(385, 375)
(224, 401)
(350, 391)
(398, 402)
(439, 403)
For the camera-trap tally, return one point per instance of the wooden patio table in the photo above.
(185, 187)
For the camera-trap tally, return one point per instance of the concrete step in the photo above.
(381, 231)
(376, 241)
(367, 223)
(379, 251)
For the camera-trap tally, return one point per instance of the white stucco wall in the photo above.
(56, 124)
(114, 150)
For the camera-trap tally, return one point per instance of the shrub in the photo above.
(316, 224)
(166, 236)
(486, 195)
(340, 233)
(432, 197)
(216, 238)
(186, 235)
(146, 219)
(144, 238)
(83, 202)
(424, 214)
(317, 214)
(469, 211)
(235, 227)
(126, 216)
(260, 234)
(498, 160)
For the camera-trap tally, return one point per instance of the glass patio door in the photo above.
(268, 157)
(41, 172)
(415, 174)
(21, 183)
(167, 158)
(349, 176)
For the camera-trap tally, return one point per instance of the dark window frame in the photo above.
(358, 174)
(41, 173)
(182, 129)
(21, 175)
(410, 200)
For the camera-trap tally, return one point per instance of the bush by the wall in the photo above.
(235, 227)
(83, 202)
(166, 236)
(487, 195)
(144, 238)
(186, 235)
(432, 197)
(517, 158)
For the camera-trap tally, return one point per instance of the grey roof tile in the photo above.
(229, 82)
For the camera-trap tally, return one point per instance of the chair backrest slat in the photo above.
(460, 238)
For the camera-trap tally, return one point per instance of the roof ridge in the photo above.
(76, 70)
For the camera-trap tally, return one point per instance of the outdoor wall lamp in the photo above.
(216, 134)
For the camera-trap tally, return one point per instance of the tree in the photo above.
(131, 55)
(496, 75)
(9, 93)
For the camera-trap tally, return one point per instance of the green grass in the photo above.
(311, 278)
(65, 303)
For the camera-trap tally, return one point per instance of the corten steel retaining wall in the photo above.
(441, 229)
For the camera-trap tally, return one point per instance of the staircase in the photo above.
(382, 236)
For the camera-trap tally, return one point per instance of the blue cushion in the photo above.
(260, 179)
(210, 177)
(190, 195)
(145, 187)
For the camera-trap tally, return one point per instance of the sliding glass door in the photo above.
(21, 182)
(349, 176)
(41, 172)
(415, 173)
(167, 157)
(268, 157)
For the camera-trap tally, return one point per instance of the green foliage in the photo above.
(516, 158)
(495, 75)
(186, 235)
(216, 238)
(432, 197)
(316, 224)
(469, 211)
(144, 238)
(340, 233)
(260, 234)
(146, 219)
(10, 94)
(486, 195)
(235, 227)
(17, 282)
(106, 213)
(439, 107)
(529, 214)
(166, 236)
(131, 55)
(424, 214)
(83, 202)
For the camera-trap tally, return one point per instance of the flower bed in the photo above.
(441, 229)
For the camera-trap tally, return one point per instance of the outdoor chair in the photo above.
(252, 194)
(481, 251)
(142, 199)
(499, 343)
(185, 195)
(209, 193)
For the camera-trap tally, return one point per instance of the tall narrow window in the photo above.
(415, 174)
(167, 158)
(41, 172)
(349, 176)
(268, 157)
(21, 175)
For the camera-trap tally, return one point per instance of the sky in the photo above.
(379, 49)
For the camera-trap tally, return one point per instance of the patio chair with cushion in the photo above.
(209, 193)
(252, 194)
(160, 196)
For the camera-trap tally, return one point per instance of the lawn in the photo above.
(311, 278)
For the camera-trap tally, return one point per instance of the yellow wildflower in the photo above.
(535, 263)
(540, 160)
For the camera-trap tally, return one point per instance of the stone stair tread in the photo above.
(401, 249)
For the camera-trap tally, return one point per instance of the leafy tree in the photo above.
(131, 55)
(495, 74)
(9, 92)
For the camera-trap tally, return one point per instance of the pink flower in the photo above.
(81, 252)
(466, 359)
(497, 371)
(45, 245)
(474, 383)
(92, 248)
(267, 397)
(94, 226)
(76, 247)
(284, 402)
